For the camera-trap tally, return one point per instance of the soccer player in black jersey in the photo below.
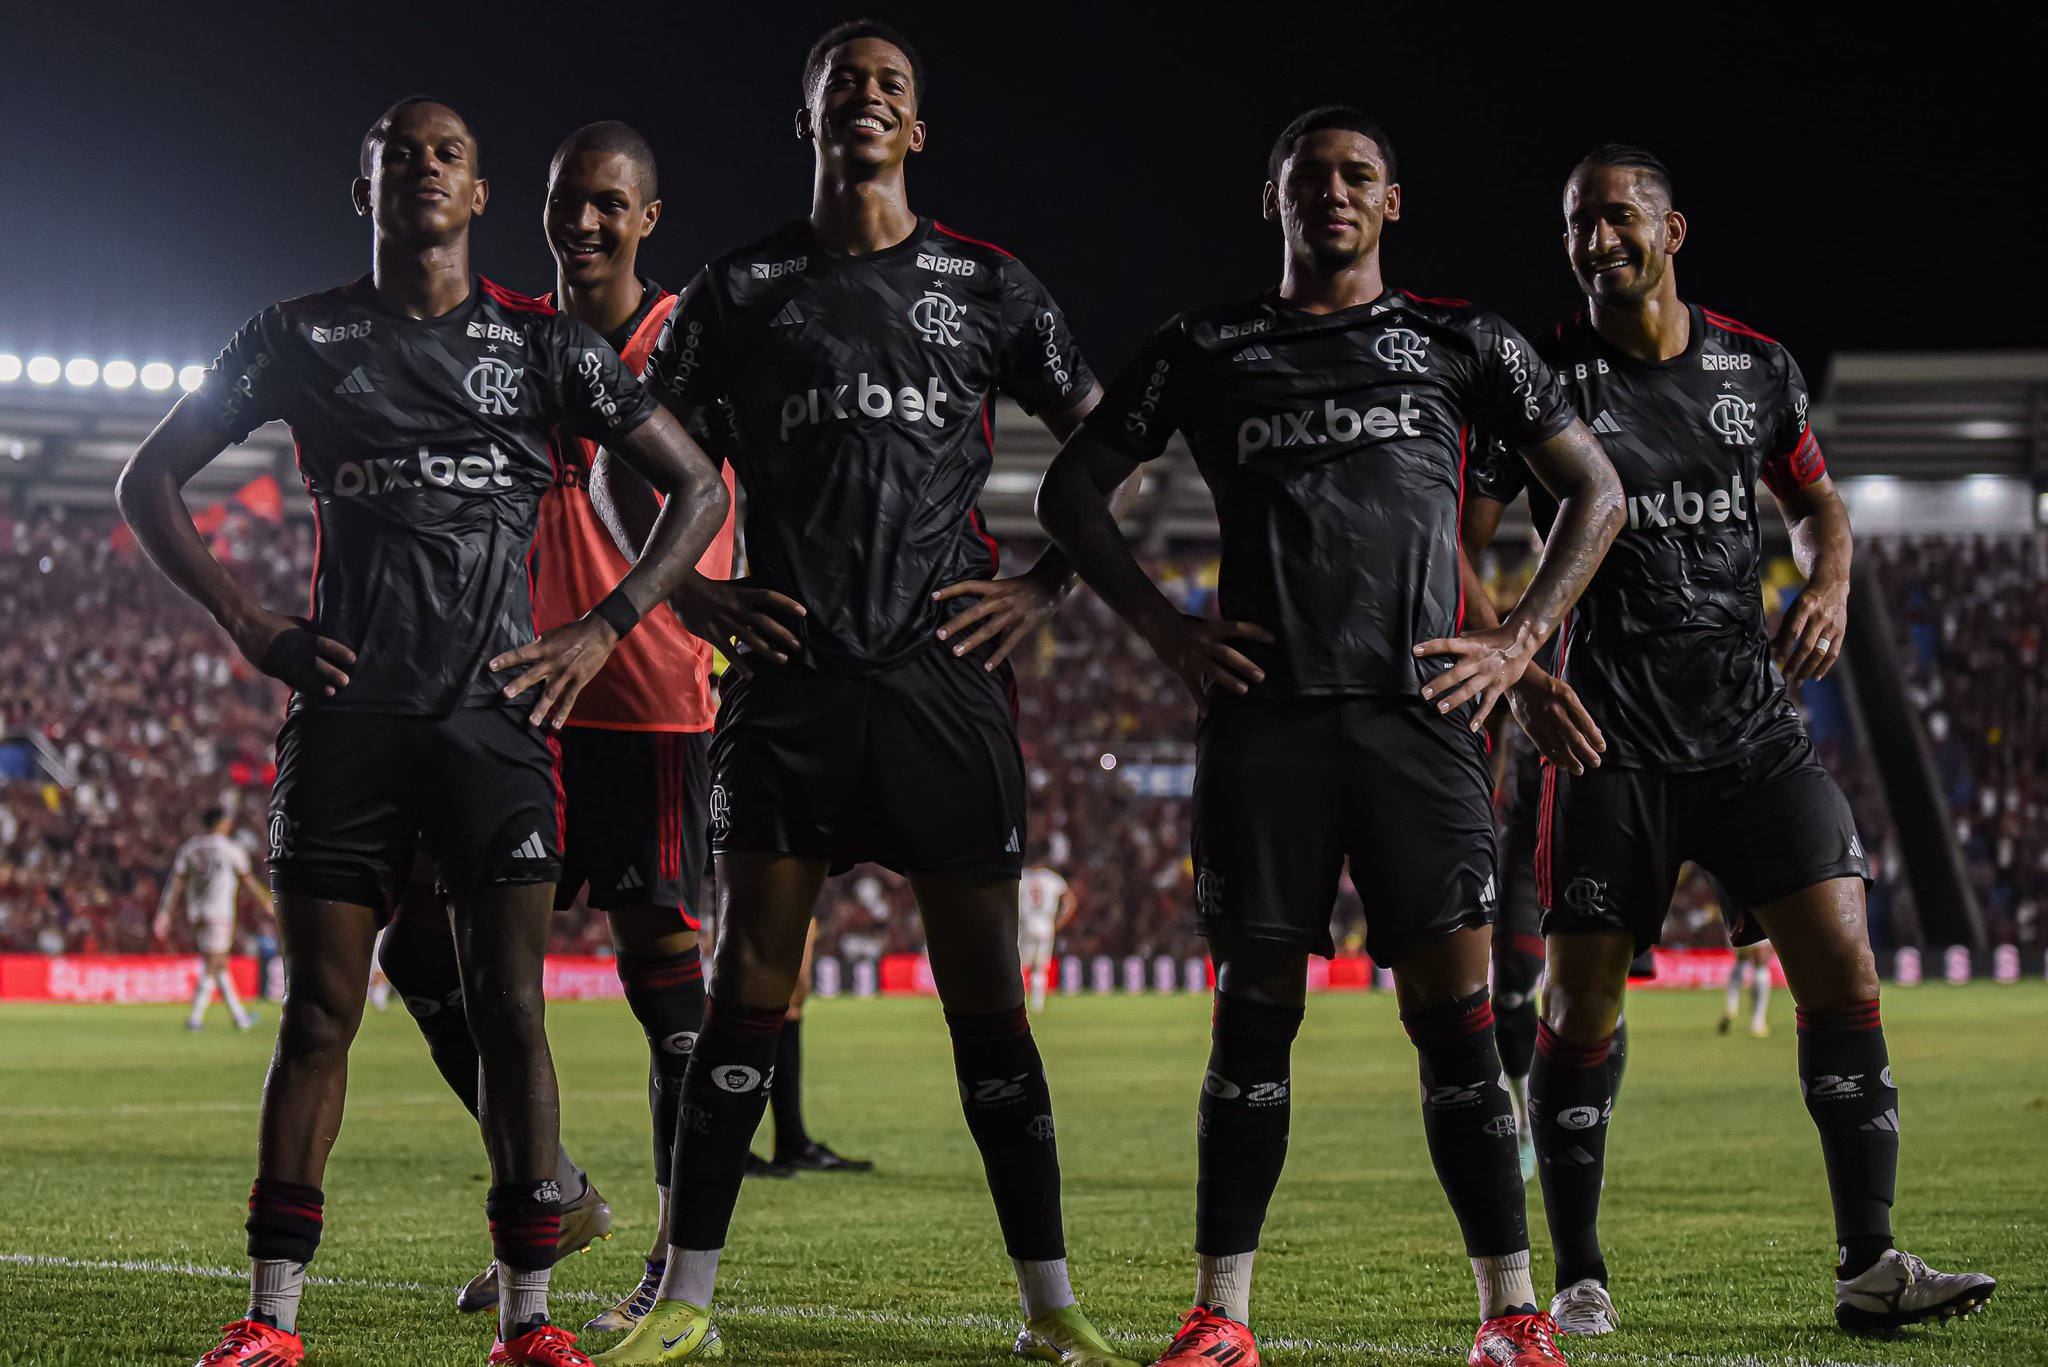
(421, 399)
(635, 754)
(1331, 420)
(1704, 756)
(857, 352)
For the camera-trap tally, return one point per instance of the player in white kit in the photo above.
(1044, 906)
(208, 870)
(1757, 959)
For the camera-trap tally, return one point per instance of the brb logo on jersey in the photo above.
(944, 265)
(1402, 349)
(341, 332)
(1684, 507)
(494, 332)
(1734, 420)
(1322, 426)
(775, 270)
(937, 317)
(868, 400)
(494, 384)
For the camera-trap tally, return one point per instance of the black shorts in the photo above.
(359, 792)
(1519, 928)
(1765, 826)
(916, 769)
(639, 822)
(1286, 790)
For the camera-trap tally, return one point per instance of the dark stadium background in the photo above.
(1850, 179)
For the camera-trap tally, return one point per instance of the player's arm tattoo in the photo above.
(150, 495)
(1815, 626)
(693, 508)
(1577, 473)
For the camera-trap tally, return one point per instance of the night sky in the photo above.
(169, 170)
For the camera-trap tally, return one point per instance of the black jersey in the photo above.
(859, 391)
(1667, 647)
(1334, 446)
(425, 444)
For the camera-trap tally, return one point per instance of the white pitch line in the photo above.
(898, 1320)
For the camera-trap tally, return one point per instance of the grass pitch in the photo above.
(126, 1147)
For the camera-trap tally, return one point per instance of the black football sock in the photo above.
(1009, 1113)
(1617, 1056)
(421, 968)
(1241, 1122)
(1515, 972)
(666, 994)
(526, 1228)
(284, 1227)
(1845, 1072)
(284, 1220)
(1469, 1123)
(1571, 1095)
(725, 1093)
(786, 1102)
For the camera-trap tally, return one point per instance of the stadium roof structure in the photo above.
(1927, 416)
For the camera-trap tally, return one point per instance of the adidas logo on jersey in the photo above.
(775, 270)
(631, 881)
(944, 265)
(1605, 424)
(788, 318)
(356, 383)
(866, 399)
(1684, 507)
(531, 848)
(1252, 353)
(1013, 847)
(1340, 425)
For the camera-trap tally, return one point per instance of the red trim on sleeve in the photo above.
(1727, 324)
(1464, 435)
(512, 299)
(1429, 299)
(963, 237)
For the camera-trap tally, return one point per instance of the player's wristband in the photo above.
(617, 612)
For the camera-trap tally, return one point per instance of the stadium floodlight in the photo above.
(157, 375)
(190, 377)
(82, 372)
(118, 374)
(44, 369)
(10, 368)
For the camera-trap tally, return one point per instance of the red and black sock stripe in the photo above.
(284, 1220)
(666, 994)
(526, 1223)
(1470, 1123)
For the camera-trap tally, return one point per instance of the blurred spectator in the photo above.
(150, 717)
(1968, 612)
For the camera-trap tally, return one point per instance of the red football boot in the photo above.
(1516, 1341)
(1207, 1339)
(251, 1343)
(548, 1346)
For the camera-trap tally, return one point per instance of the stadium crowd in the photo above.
(126, 713)
(1968, 613)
